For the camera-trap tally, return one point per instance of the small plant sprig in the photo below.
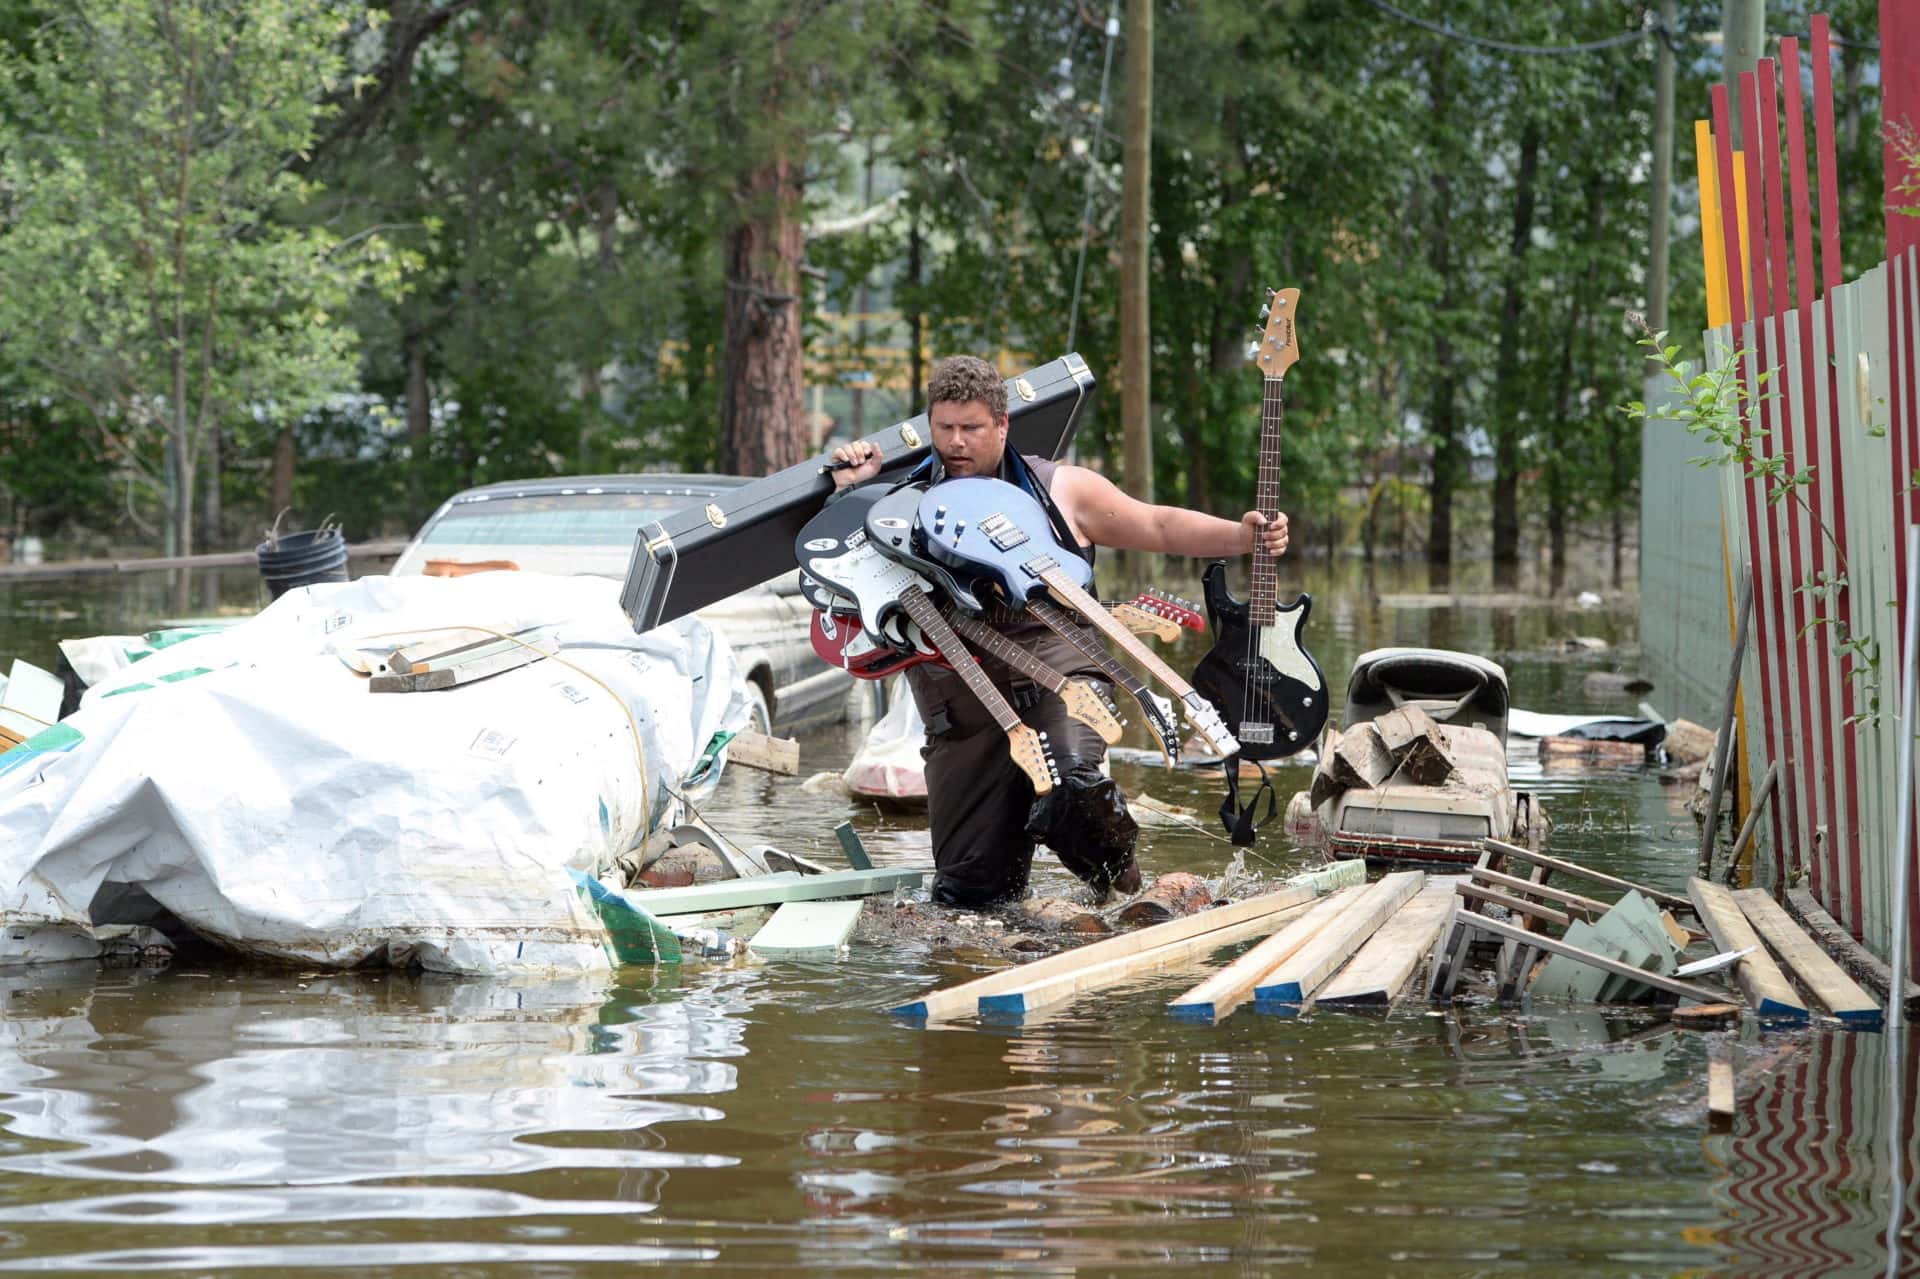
(1711, 403)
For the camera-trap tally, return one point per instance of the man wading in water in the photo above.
(982, 808)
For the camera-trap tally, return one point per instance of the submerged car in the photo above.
(586, 525)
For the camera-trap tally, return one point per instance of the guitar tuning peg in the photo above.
(1264, 310)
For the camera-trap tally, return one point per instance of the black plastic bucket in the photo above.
(303, 559)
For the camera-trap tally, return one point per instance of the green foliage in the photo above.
(149, 280)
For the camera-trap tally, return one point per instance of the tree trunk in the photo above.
(763, 425)
(1136, 182)
(1508, 394)
(916, 371)
(280, 487)
(419, 423)
(183, 472)
(1443, 426)
(212, 535)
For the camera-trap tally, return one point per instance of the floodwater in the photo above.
(214, 1118)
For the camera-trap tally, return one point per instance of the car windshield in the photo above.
(551, 533)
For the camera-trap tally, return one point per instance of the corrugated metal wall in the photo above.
(1685, 639)
(1831, 385)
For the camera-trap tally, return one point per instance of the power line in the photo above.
(1650, 31)
(1507, 46)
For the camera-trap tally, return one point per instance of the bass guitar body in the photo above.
(1263, 681)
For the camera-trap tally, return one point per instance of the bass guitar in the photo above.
(999, 537)
(834, 548)
(1259, 673)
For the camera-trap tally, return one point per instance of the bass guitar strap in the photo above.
(1243, 823)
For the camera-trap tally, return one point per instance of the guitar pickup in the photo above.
(1037, 567)
(1002, 532)
(1261, 734)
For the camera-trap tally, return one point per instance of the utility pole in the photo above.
(1662, 192)
(1136, 183)
(1743, 29)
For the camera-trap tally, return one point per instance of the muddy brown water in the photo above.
(215, 1118)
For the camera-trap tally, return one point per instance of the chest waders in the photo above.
(982, 808)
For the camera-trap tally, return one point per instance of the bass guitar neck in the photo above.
(1155, 711)
(1027, 746)
(1081, 701)
(1199, 712)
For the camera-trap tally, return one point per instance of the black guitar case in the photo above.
(703, 554)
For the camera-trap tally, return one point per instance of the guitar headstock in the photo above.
(1206, 721)
(1279, 344)
(1144, 621)
(1085, 704)
(1157, 712)
(1034, 757)
(1182, 612)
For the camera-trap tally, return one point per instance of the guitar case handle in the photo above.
(1243, 823)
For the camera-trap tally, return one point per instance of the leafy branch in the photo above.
(1713, 404)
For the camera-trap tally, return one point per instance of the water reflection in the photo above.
(761, 1119)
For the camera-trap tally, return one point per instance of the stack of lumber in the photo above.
(1402, 745)
(1045, 983)
(1328, 939)
(1633, 948)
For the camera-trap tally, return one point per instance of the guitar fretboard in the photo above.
(1067, 590)
(990, 641)
(934, 626)
(1261, 580)
(1061, 623)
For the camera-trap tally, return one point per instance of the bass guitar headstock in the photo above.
(1279, 344)
(1034, 756)
(1093, 710)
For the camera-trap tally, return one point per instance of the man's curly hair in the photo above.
(962, 379)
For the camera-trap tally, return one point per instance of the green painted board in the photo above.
(807, 930)
(765, 890)
(1565, 978)
(1342, 874)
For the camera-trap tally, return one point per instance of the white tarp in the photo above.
(250, 783)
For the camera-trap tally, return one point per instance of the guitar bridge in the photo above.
(1261, 734)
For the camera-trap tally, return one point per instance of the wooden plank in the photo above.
(1575, 868)
(850, 845)
(1535, 888)
(1375, 976)
(1226, 990)
(1854, 959)
(768, 754)
(1517, 905)
(465, 671)
(1696, 991)
(1061, 987)
(807, 930)
(1449, 950)
(764, 890)
(1766, 987)
(1401, 727)
(1841, 995)
(1361, 761)
(962, 1000)
(1720, 1098)
(1296, 980)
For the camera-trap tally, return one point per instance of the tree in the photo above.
(148, 276)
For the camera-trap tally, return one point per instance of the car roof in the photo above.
(659, 483)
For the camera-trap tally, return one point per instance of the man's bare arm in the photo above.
(1107, 517)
